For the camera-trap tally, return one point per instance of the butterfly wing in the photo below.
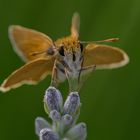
(104, 57)
(75, 25)
(27, 41)
(31, 73)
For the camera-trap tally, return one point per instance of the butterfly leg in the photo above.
(84, 74)
(54, 76)
(58, 74)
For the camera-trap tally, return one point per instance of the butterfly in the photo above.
(66, 58)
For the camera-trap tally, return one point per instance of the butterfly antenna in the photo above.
(37, 53)
(101, 41)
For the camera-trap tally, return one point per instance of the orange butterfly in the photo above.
(67, 57)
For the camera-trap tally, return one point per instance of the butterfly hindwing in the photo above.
(31, 73)
(104, 57)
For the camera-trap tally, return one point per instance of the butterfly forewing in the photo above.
(26, 42)
(30, 73)
(104, 57)
(75, 25)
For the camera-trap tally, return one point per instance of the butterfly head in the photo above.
(69, 47)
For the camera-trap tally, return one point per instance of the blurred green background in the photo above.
(110, 98)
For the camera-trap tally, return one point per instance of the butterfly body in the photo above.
(66, 58)
(69, 61)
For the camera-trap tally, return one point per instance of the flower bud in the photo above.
(65, 123)
(78, 132)
(48, 134)
(72, 104)
(67, 119)
(53, 100)
(55, 115)
(40, 123)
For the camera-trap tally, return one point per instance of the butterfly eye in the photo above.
(61, 51)
(81, 47)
